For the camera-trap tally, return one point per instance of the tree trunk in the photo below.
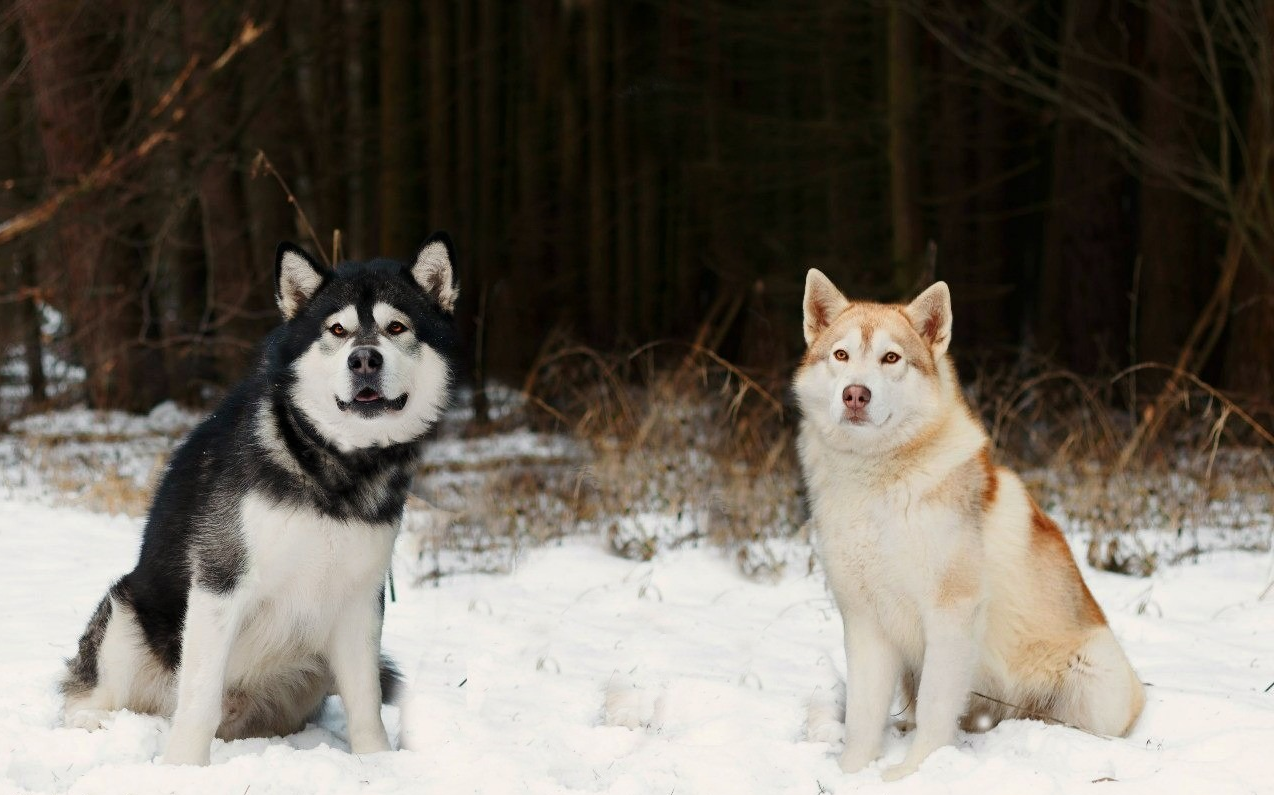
(989, 300)
(14, 174)
(235, 297)
(956, 105)
(1249, 355)
(102, 281)
(904, 158)
(183, 298)
(354, 225)
(831, 72)
(272, 127)
(398, 53)
(625, 294)
(1175, 272)
(439, 115)
(30, 321)
(1087, 262)
(600, 295)
(570, 231)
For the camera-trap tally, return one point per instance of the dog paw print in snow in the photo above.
(632, 706)
(825, 714)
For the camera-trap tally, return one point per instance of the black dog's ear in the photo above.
(297, 277)
(433, 272)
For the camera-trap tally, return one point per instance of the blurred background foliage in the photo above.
(1092, 177)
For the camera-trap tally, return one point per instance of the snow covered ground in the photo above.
(583, 672)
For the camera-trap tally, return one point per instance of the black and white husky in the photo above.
(260, 585)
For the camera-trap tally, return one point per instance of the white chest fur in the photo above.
(302, 570)
(887, 538)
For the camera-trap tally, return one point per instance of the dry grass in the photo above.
(1205, 484)
(654, 454)
(108, 492)
(697, 450)
(108, 475)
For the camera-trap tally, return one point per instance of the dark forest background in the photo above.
(1094, 175)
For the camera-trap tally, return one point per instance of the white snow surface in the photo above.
(583, 672)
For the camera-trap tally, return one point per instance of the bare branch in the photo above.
(110, 167)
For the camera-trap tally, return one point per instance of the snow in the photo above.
(521, 444)
(580, 671)
(165, 419)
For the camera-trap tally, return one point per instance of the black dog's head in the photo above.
(368, 349)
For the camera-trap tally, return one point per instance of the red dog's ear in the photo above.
(930, 314)
(823, 304)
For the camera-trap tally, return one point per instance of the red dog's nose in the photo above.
(856, 396)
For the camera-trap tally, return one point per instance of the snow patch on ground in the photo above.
(585, 672)
(167, 419)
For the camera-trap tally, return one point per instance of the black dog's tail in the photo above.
(391, 681)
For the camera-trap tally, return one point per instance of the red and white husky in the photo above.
(949, 578)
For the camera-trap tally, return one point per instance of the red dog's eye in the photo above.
(395, 328)
(841, 356)
(337, 330)
(890, 358)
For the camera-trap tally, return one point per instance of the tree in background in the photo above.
(1093, 173)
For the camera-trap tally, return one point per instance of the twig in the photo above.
(1180, 375)
(1040, 715)
(110, 166)
(697, 348)
(262, 163)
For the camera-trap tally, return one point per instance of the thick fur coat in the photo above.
(258, 590)
(952, 583)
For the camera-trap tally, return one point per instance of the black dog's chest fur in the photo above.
(367, 485)
(192, 532)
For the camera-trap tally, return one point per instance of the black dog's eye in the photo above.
(395, 328)
(337, 330)
(890, 358)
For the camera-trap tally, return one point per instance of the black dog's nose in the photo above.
(365, 360)
(856, 396)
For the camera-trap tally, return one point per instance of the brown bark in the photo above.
(103, 281)
(1249, 355)
(904, 210)
(987, 304)
(354, 225)
(830, 72)
(438, 110)
(397, 115)
(489, 155)
(648, 239)
(600, 294)
(177, 254)
(317, 46)
(182, 290)
(271, 127)
(625, 296)
(569, 229)
(955, 106)
(1087, 260)
(29, 320)
(1175, 272)
(14, 178)
(234, 287)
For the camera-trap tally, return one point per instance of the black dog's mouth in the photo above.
(369, 401)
